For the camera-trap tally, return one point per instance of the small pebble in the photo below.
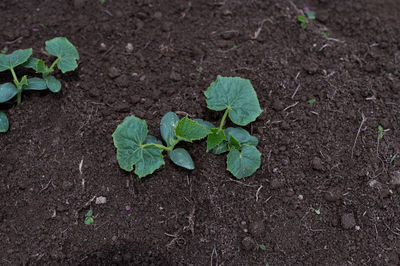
(101, 200)
(248, 243)
(277, 105)
(395, 178)
(129, 47)
(103, 47)
(316, 163)
(114, 72)
(348, 220)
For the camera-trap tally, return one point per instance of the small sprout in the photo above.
(393, 157)
(102, 1)
(262, 247)
(234, 47)
(89, 218)
(325, 34)
(4, 50)
(203, 43)
(380, 132)
(303, 21)
(200, 69)
(389, 75)
(311, 101)
(317, 211)
(150, 5)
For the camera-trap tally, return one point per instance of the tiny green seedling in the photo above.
(317, 211)
(66, 54)
(303, 21)
(310, 14)
(136, 148)
(89, 218)
(4, 50)
(239, 100)
(102, 1)
(311, 101)
(380, 132)
(262, 247)
(325, 34)
(200, 69)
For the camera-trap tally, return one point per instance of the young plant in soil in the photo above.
(136, 148)
(238, 98)
(66, 54)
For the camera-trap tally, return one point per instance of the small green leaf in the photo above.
(129, 138)
(310, 14)
(243, 163)
(7, 91)
(233, 143)
(221, 148)
(182, 158)
(89, 213)
(167, 128)
(312, 101)
(24, 81)
(235, 94)
(302, 19)
(53, 84)
(189, 130)
(4, 125)
(263, 247)
(65, 51)
(214, 138)
(89, 220)
(207, 125)
(42, 68)
(31, 63)
(14, 59)
(36, 84)
(380, 130)
(241, 135)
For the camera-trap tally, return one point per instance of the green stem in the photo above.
(168, 149)
(17, 84)
(54, 63)
(223, 119)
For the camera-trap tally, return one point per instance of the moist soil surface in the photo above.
(327, 191)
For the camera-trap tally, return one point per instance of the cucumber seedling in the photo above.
(238, 98)
(66, 57)
(136, 148)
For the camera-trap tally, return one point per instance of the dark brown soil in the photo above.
(320, 198)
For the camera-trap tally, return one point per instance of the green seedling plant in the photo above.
(237, 97)
(89, 220)
(66, 57)
(303, 21)
(136, 148)
(3, 122)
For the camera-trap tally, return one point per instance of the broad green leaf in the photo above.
(31, 63)
(36, 84)
(152, 139)
(129, 138)
(14, 59)
(3, 122)
(150, 160)
(243, 163)
(235, 94)
(52, 83)
(167, 128)
(214, 138)
(233, 143)
(89, 213)
(65, 51)
(189, 130)
(7, 91)
(207, 125)
(182, 158)
(89, 220)
(241, 135)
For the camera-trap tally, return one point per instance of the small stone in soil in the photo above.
(103, 47)
(248, 243)
(122, 81)
(129, 47)
(114, 72)
(101, 200)
(316, 163)
(395, 178)
(277, 105)
(348, 220)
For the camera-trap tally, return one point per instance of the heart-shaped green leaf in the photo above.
(167, 128)
(235, 94)
(204, 123)
(14, 59)
(7, 91)
(36, 84)
(52, 83)
(215, 138)
(189, 130)
(65, 51)
(182, 158)
(243, 163)
(129, 138)
(3, 122)
(241, 135)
